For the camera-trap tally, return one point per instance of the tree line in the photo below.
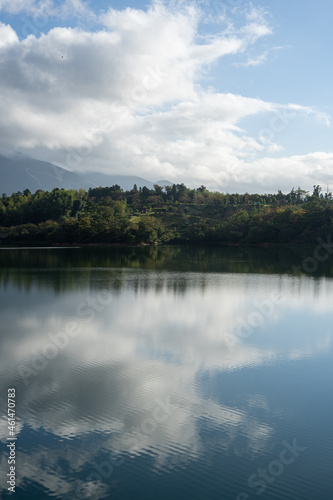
(174, 214)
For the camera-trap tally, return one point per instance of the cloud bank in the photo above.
(133, 96)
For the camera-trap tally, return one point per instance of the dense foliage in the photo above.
(171, 214)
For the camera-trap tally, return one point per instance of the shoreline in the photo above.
(156, 245)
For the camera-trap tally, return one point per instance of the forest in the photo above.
(171, 214)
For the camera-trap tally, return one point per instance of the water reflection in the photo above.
(167, 370)
(61, 268)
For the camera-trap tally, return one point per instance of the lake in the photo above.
(167, 373)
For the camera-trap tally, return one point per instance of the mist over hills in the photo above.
(19, 173)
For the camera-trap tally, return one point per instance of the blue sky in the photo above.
(231, 94)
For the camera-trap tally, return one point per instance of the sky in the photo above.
(231, 94)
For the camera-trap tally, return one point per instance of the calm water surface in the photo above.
(167, 373)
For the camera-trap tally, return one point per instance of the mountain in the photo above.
(126, 182)
(19, 173)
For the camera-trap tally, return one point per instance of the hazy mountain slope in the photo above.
(19, 173)
(126, 182)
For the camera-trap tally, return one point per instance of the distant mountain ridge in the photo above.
(20, 173)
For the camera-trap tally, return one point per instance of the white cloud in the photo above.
(130, 97)
(256, 61)
(7, 36)
(270, 174)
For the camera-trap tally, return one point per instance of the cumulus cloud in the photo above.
(132, 96)
(7, 36)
